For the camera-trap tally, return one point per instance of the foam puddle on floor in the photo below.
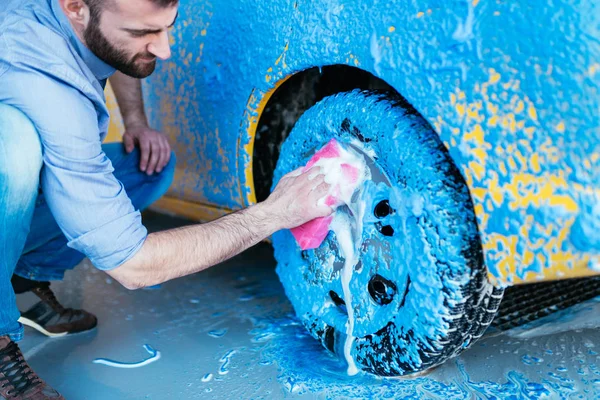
(154, 356)
(498, 366)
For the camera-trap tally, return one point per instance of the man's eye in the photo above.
(137, 34)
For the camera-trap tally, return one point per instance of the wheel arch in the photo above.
(270, 116)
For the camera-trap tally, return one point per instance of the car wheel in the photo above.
(420, 292)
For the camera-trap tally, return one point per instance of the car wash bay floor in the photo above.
(230, 333)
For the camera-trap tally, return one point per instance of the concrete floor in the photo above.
(230, 333)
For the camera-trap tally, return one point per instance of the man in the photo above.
(64, 195)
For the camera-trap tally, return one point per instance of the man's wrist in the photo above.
(135, 122)
(263, 213)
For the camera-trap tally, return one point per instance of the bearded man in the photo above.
(64, 195)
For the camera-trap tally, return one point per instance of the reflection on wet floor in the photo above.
(230, 332)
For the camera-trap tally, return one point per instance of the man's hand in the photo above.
(299, 198)
(154, 147)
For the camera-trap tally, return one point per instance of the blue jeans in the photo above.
(31, 243)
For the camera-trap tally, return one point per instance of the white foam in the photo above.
(348, 231)
(332, 169)
(154, 356)
(341, 227)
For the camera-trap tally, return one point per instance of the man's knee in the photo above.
(20, 151)
(143, 190)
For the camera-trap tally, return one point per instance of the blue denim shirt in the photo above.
(48, 74)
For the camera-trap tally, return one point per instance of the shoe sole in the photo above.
(40, 328)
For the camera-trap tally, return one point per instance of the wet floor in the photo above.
(230, 333)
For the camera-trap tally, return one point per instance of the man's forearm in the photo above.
(128, 92)
(178, 252)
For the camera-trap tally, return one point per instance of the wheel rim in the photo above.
(375, 287)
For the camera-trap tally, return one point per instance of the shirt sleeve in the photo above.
(89, 204)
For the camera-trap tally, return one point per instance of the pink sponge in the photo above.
(344, 171)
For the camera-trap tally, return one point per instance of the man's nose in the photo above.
(160, 47)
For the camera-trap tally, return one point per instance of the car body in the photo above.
(513, 90)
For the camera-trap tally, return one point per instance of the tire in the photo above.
(420, 293)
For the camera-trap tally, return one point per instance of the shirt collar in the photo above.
(99, 68)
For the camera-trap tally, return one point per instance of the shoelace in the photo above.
(48, 295)
(16, 371)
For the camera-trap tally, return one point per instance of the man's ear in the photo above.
(77, 12)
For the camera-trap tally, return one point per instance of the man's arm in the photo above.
(88, 203)
(154, 146)
(128, 91)
(178, 252)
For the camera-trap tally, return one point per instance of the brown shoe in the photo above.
(45, 314)
(17, 379)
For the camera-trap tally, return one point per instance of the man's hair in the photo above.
(96, 6)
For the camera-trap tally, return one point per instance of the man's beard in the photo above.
(111, 55)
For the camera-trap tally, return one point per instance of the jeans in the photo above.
(31, 243)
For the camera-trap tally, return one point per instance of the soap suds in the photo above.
(224, 369)
(341, 226)
(347, 226)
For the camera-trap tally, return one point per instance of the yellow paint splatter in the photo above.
(477, 135)
(282, 56)
(535, 162)
(520, 107)
(511, 173)
(391, 29)
(420, 14)
(494, 76)
(478, 169)
(565, 201)
(529, 131)
(532, 113)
